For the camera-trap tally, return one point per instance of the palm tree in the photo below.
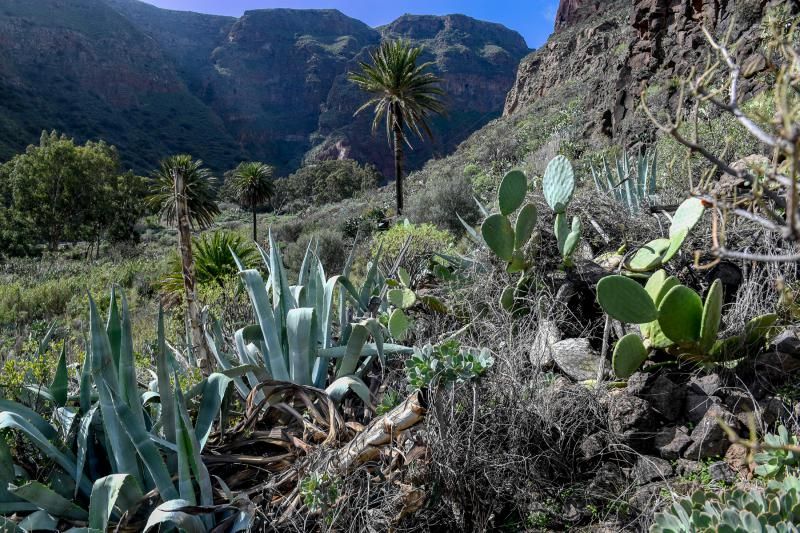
(182, 190)
(253, 186)
(402, 92)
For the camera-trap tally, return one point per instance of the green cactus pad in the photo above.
(656, 337)
(398, 324)
(561, 231)
(573, 237)
(655, 282)
(526, 221)
(712, 314)
(512, 191)
(507, 299)
(675, 243)
(729, 349)
(627, 301)
(558, 183)
(687, 216)
(517, 263)
(680, 314)
(649, 256)
(401, 298)
(629, 354)
(499, 236)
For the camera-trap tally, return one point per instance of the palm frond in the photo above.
(199, 190)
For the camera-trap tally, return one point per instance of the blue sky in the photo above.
(532, 18)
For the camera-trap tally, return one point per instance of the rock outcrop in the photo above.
(607, 53)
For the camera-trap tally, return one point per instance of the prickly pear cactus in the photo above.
(558, 183)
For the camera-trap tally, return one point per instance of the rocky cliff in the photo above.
(271, 85)
(606, 53)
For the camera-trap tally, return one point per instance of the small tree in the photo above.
(253, 187)
(402, 92)
(182, 191)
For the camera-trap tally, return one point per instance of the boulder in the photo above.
(631, 419)
(721, 471)
(708, 438)
(541, 354)
(576, 358)
(649, 469)
(671, 442)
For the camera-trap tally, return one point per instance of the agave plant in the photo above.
(112, 443)
(629, 188)
(293, 338)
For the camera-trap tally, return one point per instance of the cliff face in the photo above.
(271, 85)
(607, 53)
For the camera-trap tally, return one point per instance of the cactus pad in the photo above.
(558, 183)
(512, 191)
(627, 301)
(675, 243)
(526, 221)
(507, 299)
(649, 256)
(680, 314)
(712, 314)
(629, 354)
(499, 236)
(573, 237)
(687, 216)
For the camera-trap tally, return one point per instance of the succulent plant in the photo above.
(674, 318)
(658, 252)
(558, 183)
(775, 509)
(629, 189)
(778, 460)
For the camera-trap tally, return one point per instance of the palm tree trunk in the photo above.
(255, 231)
(398, 156)
(197, 339)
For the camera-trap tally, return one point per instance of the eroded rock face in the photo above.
(606, 56)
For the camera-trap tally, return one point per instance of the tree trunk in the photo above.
(398, 156)
(255, 231)
(197, 339)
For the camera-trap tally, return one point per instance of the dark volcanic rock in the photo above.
(631, 419)
(708, 438)
(672, 441)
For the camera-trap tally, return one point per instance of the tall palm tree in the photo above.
(253, 186)
(402, 92)
(182, 190)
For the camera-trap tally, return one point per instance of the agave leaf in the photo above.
(354, 350)
(471, 232)
(340, 386)
(48, 500)
(31, 416)
(126, 367)
(113, 327)
(164, 387)
(189, 459)
(112, 494)
(224, 362)
(44, 344)
(257, 291)
(302, 335)
(122, 453)
(37, 521)
(213, 393)
(85, 392)
(170, 513)
(369, 350)
(9, 526)
(146, 450)
(83, 444)
(59, 386)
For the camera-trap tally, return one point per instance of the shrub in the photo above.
(426, 240)
(329, 245)
(326, 182)
(441, 200)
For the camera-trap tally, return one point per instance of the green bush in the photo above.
(445, 364)
(326, 182)
(441, 200)
(330, 248)
(426, 241)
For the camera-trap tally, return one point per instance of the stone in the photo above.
(576, 358)
(787, 342)
(772, 410)
(666, 397)
(649, 469)
(736, 458)
(541, 354)
(686, 467)
(709, 384)
(645, 496)
(631, 419)
(708, 438)
(721, 471)
(697, 404)
(594, 445)
(671, 441)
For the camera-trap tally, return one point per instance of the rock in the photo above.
(721, 471)
(697, 404)
(772, 410)
(631, 419)
(645, 496)
(594, 445)
(541, 354)
(708, 385)
(649, 469)
(708, 438)
(576, 358)
(666, 397)
(736, 458)
(686, 467)
(672, 441)
(607, 482)
(787, 342)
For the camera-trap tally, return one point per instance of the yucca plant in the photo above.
(293, 339)
(111, 443)
(631, 187)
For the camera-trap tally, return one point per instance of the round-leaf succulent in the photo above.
(558, 183)
(680, 314)
(512, 191)
(499, 236)
(649, 256)
(526, 221)
(629, 354)
(712, 314)
(687, 216)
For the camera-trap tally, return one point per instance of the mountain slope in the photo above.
(80, 67)
(271, 85)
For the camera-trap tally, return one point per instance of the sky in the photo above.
(532, 18)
